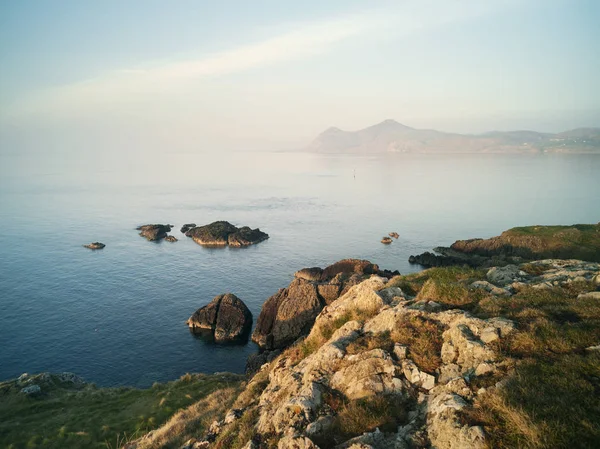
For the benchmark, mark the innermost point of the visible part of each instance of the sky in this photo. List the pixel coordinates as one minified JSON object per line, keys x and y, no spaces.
{"x":198,"y":75}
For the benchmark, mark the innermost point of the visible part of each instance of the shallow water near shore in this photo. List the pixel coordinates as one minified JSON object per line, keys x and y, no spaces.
{"x":116,"y":316}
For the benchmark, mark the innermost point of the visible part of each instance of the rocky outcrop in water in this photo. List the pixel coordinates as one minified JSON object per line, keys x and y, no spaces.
{"x":222,"y":233}
{"x":226,"y":319}
{"x":186,"y":227}
{"x":94,"y":245}
{"x":153,"y":232}
{"x":518,"y":245}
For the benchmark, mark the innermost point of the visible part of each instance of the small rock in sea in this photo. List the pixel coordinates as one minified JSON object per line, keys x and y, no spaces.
{"x":386,"y":240}
{"x":32,"y":390}
{"x":95,"y":245}
{"x":154,"y":232}
{"x":186,"y":227}
{"x":394,"y":234}
{"x":170,"y":238}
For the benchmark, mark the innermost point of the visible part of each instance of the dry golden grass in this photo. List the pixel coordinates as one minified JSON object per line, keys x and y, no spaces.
{"x":191,"y":422}
{"x":424,"y":340}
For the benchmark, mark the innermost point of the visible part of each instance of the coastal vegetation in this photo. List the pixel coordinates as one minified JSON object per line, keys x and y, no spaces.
{"x":67,"y":414}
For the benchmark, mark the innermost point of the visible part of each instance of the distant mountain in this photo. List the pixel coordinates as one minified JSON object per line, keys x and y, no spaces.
{"x":390,"y":136}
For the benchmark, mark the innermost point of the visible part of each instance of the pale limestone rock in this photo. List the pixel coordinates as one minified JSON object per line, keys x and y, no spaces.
{"x":370,"y":440}
{"x":388,"y":294}
{"x":296,"y":442}
{"x":489,"y":334}
{"x":369,"y":373}
{"x":490,"y":288}
{"x":448,"y":372}
{"x":416,"y":376}
{"x":484,"y":368}
{"x":589,"y":295}
{"x":503,"y":325}
{"x":400,"y":351}
{"x":320,"y":426}
{"x":503,"y":275}
{"x":444,"y":426}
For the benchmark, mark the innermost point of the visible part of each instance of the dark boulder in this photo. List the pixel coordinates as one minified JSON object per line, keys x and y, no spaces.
{"x":154,"y":232}
{"x":226,"y":318}
{"x":287,"y":314}
{"x":309,"y":274}
{"x":95,"y":245}
{"x":245,"y":236}
{"x":186,"y":227}
{"x":349,"y":266}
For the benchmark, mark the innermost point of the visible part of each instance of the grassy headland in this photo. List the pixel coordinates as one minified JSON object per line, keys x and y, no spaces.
{"x":73,"y":415}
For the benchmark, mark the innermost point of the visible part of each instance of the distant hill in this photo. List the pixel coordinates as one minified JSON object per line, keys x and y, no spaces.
{"x":390,"y":136}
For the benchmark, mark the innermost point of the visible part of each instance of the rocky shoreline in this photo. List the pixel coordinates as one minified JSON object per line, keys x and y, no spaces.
{"x":356,"y":357}
{"x":518,"y":245}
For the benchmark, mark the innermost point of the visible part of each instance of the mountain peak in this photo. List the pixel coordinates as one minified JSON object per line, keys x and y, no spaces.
{"x":390,"y":124}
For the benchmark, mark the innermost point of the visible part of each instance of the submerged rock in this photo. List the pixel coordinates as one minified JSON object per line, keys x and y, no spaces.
{"x":222,"y":233}
{"x":226,"y":318}
{"x":154,"y":232}
{"x":170,"y":238}
{"x":95,"y":245}
{"x":386,"y":240}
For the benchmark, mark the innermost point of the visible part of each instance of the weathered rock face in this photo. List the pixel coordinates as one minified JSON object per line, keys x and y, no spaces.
{"x":287,"y":314}
{"x":362,"y":361}
{"x":154,"y":232}
{"x":95,"y":245}
{"x":293,"y":404}
{"x":291,"y":312}
{"x":226,"y":318}
{"x":222,"y":233}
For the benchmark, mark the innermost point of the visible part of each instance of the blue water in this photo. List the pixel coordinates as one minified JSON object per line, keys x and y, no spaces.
{"x":116,"y":316}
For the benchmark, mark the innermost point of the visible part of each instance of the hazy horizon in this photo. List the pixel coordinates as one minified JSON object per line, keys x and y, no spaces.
{"x":197,"y":75}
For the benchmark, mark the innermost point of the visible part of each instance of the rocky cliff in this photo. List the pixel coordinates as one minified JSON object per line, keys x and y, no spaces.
{"x":439,"y":359}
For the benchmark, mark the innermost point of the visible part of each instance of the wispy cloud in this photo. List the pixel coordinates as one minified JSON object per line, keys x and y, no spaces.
{"x":298,"y":41}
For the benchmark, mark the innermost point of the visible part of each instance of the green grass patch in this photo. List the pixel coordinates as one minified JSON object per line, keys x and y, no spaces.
{"x":64,"y":417}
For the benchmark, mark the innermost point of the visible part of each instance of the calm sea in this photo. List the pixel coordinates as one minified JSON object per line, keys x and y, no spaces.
{"x":116,"y":316}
